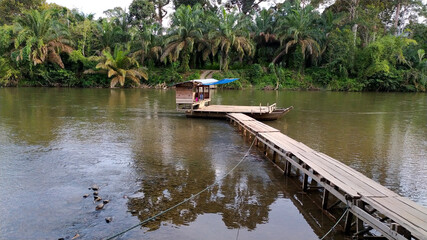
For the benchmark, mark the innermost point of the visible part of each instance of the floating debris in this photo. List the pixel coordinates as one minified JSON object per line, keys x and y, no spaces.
{"x":86,"y":195}
{"x":99,"y":206}
{"x":108,"y":219}
{"x":106,"y":201}
{"x":95,"y":187}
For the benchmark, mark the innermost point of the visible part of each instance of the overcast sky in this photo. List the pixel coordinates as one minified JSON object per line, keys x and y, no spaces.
{"x":92,"y":6}
{"x":99,"y":6}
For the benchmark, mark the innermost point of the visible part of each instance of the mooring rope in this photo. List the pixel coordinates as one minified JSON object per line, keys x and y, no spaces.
{"x":339,"y":220}
{"x":185,"y":200}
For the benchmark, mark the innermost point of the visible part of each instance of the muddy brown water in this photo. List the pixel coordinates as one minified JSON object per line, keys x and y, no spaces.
{"x":146,"y":157}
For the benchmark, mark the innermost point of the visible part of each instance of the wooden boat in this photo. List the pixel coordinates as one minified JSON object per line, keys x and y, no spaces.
{"x":274,"y":115}
{"x":193,"y":97}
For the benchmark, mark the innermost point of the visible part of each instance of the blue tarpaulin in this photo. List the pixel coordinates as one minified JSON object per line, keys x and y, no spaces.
{"x":223,"y":81}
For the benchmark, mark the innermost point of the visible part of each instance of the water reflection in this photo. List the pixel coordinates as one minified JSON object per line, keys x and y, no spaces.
{"x":54,"y":143}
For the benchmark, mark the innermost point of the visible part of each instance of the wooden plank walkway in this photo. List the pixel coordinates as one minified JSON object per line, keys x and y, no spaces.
{"x":371,"y":204}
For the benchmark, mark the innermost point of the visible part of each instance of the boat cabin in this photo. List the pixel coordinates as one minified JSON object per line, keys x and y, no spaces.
{"x":196,"y":94}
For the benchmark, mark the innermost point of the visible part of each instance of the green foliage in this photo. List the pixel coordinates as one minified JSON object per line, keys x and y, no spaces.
{"x":379,"y":63}
{"x":8,"y":74}
{"x":349,"y":47}
{"x":141,"y":13}
{"x":194,"y":75}
{"x":340,"y":53}
{"x":346,"y":84}
{"x":9,"y":9}
{"x":58,"y":77}
{"x":77,"y":56}
{"x":321,"y":76}
{"x":119,"y":66}
{"x":6,"y":39}
{"x":185,"y":31}
{"x":169,"y":75}
{"x":254,"y":73}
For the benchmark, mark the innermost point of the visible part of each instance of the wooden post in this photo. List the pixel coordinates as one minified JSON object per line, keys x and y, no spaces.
{"x":401,"y":230}
{"x":265,"y":149}
{"x":325,"y":199}
{"x":274,"y":156}
{"x":348,"y":222}
{"x":288,"y":168}
{"x":305,"y":182}
{"x":359,"y":222}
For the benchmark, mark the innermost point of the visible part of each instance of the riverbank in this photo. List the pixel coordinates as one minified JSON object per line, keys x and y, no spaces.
{"x":254,"y":76}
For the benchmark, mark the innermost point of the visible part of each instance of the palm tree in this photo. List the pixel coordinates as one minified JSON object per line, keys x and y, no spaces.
{"x":264,"y":27}
{"x":119,"y":67}
{"x":41,"y":38}
{"x":296,"y":28}
{"x":146,"y":42}
{"x":230,"y":33}
{"x":108,"y":34}
{"x":184,"y":33}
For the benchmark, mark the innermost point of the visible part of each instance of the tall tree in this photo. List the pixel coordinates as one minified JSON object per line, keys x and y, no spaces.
{"x":296,"y":29}
{"x":178,"y":3}
{"x":141,"y":12}
{"x":231,"y":33}
{"x":185,"y":31}
{"x":40,"y":38}
{"x":119,"y":67}
{"x":403,"y":8}
{"x":161,"y":12}
{"x":244,"y":6}
{"x":10,"y":9}
{"x":146,"y":43}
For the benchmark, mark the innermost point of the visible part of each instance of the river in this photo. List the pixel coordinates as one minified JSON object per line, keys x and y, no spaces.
{"x":146,"y":157}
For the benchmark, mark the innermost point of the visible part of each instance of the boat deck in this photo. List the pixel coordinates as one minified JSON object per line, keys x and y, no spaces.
{"x":371,"y":203}
{"x":235,"y":109}
{"x":220,"y":111}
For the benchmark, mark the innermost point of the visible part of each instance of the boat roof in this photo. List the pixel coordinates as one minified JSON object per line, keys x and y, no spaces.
{"x":210,"y":81}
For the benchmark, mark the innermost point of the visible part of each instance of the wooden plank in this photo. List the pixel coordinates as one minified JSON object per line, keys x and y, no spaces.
{"x":403,"y":210}
{"x":334,"y":166}
{"x":240,"y":117}
{"x":359,"y":176}
{"x":259,"y":127}
{"x":414,"y":205}
{"x":393,"y":210}
{"x":325,"y":173}
{"x":307,"y":154}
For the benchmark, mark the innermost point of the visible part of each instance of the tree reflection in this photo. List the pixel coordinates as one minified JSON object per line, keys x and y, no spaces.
{"x":174,"y":160}
{"x":31,"y":115}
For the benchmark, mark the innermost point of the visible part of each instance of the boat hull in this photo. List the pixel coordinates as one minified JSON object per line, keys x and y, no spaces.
{"x":274,"y":115}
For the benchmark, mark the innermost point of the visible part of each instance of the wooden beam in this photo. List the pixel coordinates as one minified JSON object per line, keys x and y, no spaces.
{"x":325,"y":199}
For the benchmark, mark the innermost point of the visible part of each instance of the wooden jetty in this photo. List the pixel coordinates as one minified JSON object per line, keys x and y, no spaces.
{"x":194,"y":98}
{"x":263,"y":113}
{"x":369,"y":204}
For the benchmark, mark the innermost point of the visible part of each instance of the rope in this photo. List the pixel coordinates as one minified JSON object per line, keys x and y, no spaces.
{"x":185,"y":200}
{"x":330,"y":230}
